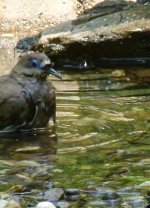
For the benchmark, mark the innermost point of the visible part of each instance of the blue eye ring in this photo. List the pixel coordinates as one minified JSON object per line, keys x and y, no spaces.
{"x":35,"y":64}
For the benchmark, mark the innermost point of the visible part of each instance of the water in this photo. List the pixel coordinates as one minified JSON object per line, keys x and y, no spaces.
{"x":103,"y":132}
{"x":101,"y":141}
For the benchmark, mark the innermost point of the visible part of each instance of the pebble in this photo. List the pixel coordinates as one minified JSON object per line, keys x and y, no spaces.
{"x":9,"y":204}
{"x":148,"y":196}
{"x":45,"y":205}
{"x":63,"y":204}
{"x":72,"y":194}
{"x":3,"y":203}
{"x":54,"y":194}
{"x":98,"y":203}
{"x":110,"y":195}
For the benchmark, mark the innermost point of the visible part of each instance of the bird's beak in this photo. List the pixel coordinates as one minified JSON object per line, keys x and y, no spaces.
{"x":54,"y":72}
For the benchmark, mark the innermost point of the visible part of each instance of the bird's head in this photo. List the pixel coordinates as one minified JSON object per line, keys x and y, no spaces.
{"x":36,"y":65}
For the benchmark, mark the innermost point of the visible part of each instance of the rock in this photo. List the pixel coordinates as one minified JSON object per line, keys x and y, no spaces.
{"x":54,"y":194}
{"x":28,"y":163}
{"x":118,"y":73}
{"x":136,"y":201}
{"x":12,"y":204}
{"x":28,"y":149}
{"x":110,"y":195}
{"x":114,"y":33}
{"x":98,"y":204}
{"x":142,"y":1}
{"x":125,"y":205}
{"x":42,"y":172}
{"x":145,"y":184}
{"x":3,"y":203}
{"x":63,"y":204}
{"x":148,"y":197}
{"x":45,"y":205}
{"x":104,"y":8}
{"x":72,"y":194}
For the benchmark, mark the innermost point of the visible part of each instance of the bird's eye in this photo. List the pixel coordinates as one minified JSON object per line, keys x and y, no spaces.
{"x":35,"y":63}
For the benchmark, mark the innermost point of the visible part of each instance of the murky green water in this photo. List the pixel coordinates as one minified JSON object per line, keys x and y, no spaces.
{"x":102,"y":140}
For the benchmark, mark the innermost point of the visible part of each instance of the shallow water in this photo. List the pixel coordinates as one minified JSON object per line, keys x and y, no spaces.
{"x":101,"y":141}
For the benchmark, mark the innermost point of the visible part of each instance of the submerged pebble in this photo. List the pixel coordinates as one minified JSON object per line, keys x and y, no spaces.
{"x":54,"y":194}
{"x":136,"y":201}
{"x":110,"y":195}
{"x":9,"y":204}
{"x":98,"y":203}
{"x":63,"y":204}
{"x":45,"y":205}
{"x":72,"y":194}
{"x":3,"y":203}
{"x":72,"y":191}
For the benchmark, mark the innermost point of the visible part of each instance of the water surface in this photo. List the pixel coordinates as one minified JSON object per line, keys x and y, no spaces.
{"x":101,"y":141}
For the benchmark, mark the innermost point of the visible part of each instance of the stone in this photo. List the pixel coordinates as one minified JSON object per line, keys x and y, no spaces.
{"x":72,"y":194}
{"x":63,"y":204}
{"x":98,"y":203}
{"x":54,"y":194}
{"x":12,"y":204}
{"x":136,"y":201}
{"x":45,"y":204}
{"x":114,"y":34}
{"x":145,"y":184}
{"x":110,"y":195}
{"x":3,"y":203}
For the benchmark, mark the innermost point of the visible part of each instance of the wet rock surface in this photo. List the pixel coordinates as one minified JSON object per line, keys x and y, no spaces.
{"x":109,"y":30}
{"x":105,"y":34}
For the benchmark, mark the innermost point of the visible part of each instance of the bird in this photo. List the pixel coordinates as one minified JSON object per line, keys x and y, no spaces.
{"x":27,"y":97}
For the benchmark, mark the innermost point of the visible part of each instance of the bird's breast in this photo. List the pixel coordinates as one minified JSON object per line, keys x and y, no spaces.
{"x":40,"y":97}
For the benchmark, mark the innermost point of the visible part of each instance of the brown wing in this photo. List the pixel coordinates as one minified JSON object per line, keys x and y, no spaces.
{"x":14,"y":110}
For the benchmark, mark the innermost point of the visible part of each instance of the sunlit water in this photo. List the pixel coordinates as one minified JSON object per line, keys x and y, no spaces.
{"x":102,"y":140}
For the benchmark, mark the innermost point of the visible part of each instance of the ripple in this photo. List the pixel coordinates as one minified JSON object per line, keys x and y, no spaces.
{"x":80,"y":149}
